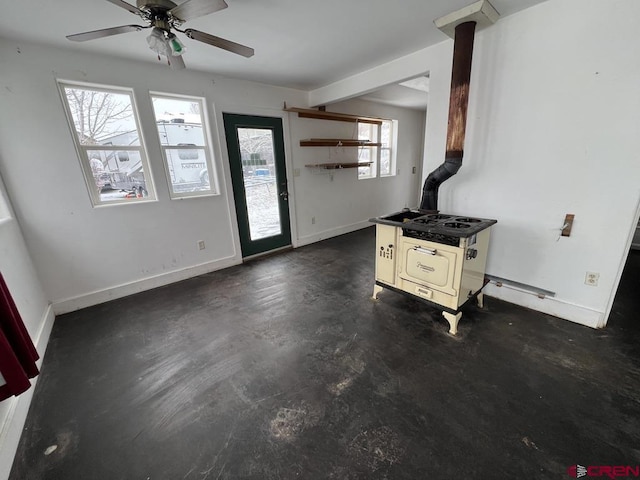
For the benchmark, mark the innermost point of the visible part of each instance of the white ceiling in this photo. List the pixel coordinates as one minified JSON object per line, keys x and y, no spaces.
{"x":399,"y":96}
{"x":298,"y":43}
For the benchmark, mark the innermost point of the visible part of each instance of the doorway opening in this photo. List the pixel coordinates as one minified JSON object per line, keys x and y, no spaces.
{"x":259,"y":179}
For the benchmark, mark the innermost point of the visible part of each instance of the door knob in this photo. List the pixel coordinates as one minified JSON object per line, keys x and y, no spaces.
{"x":284,"y":195}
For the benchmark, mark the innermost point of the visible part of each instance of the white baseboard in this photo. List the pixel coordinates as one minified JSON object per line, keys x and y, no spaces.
{"x":11,"y":426}
{"x":549,"y":305}
{"x":100,"y":296}
{"x":332,"y":232}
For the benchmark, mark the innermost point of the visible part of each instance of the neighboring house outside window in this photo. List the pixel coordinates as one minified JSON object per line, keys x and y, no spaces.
{"x":106,"y":131}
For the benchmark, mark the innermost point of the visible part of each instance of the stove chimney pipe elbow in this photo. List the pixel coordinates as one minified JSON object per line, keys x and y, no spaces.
{"x":431,"y":185}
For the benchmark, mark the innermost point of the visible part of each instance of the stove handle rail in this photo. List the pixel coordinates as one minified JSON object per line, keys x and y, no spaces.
{"x":427,"y":251}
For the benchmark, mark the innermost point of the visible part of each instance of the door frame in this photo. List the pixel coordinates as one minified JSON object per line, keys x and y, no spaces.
{"x":220,"y":109}
{"x":233,"y":123}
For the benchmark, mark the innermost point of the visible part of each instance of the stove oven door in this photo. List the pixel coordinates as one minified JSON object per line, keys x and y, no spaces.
{"x":433,"y":265}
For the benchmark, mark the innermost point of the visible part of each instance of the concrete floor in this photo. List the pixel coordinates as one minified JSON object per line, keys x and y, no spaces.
{"x":283,"y":368}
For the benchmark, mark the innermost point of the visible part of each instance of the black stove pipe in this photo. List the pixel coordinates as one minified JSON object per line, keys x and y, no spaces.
{"x":458,"y":103}
{"x":431,"y":185}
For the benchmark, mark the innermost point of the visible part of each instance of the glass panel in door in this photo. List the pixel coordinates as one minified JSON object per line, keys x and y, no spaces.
{"x":258,"y":174}
{"x":259,"y":179}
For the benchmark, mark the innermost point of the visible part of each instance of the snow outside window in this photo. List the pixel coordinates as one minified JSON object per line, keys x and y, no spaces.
{"x":106,"y":131}
{"x":383,"y":157}
{"x":183,"y":134}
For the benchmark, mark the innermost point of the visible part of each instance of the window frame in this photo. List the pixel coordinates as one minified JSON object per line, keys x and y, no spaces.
{"x":207,"y":148}
{"x":376,"y":152}
{"x":392,"y":148}
{"x":5,"y":208}
{"x":83,"y":150}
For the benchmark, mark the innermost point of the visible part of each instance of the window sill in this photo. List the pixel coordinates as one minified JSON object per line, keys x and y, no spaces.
{"x":118,"y":204}
{"x":187,"y":197}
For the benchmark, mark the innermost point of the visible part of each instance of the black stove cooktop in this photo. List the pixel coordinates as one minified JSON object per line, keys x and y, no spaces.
{"x":435,"y":223}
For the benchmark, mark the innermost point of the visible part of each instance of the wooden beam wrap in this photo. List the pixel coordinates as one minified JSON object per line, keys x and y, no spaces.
{"x":459,"y":96}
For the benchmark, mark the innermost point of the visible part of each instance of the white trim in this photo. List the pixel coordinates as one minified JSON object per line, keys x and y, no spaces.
{"x":83,"y":150}
{"x":214,"y":188}
{"x":236,"y":109}
{"x":623,"y":261}
{"x":393,"y":149}
{"x":11,"y":427}
{"x":333,"y":232}
{"x":551,"y":306}
{"x":100,"y":296}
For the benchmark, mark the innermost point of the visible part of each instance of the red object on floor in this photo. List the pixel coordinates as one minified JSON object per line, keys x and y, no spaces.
{"x":18,"y":356}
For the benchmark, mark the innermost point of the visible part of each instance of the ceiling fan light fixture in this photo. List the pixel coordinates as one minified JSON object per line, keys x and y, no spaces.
{"x":175,"y":45}
{"x":157,"y":41}
{"x":163,"y":16}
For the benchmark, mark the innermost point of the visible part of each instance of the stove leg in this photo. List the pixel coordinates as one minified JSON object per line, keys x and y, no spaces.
{"x":480,"y":300}
{"x":453,"y":320}
{"x":376,"y":290}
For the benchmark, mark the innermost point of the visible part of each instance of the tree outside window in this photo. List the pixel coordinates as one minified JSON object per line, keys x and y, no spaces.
{"x":107,"y":137}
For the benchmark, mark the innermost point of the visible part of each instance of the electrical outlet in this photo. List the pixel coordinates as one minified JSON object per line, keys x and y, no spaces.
{"x":591,"y":279}
{"x":201,"y":245}
{"x":313,"y":220}
{"x":296,"y":172}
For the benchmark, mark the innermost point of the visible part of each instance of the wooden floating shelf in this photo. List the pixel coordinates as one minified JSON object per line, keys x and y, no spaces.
{"x":340,"y":117}
{"x":337,"y":142}
{"x":338,"y":166}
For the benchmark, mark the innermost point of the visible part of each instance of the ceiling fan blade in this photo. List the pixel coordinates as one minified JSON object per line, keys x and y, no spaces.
{"x":219,"y":42}
{"x":127,"y":6}
{"x":196,"y":8}
{"x":177,"y":63}
{"x":105,"y":32}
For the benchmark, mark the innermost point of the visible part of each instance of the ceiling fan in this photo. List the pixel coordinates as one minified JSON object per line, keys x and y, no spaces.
{"x":162,"y":17}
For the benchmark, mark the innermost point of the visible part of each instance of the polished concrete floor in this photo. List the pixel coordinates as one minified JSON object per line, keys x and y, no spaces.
{"x":284,"y":368}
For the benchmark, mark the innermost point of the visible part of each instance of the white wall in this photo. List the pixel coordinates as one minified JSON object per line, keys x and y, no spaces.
{"x":553,"y":128}
{"x":337,"y":199}
{"x":77,"y":249}
{"x":19,"y":273}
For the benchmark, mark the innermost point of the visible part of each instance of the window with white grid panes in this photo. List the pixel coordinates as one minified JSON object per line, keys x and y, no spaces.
{"x":382,"y":158}
{"x":183,"y":132}
{"x":387,"y":166}
{"x":106,"y":131}
{"x":367,"y":132}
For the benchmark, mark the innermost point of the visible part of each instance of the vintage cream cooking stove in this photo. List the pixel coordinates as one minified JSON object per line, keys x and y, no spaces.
{"x":438,"y":258}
